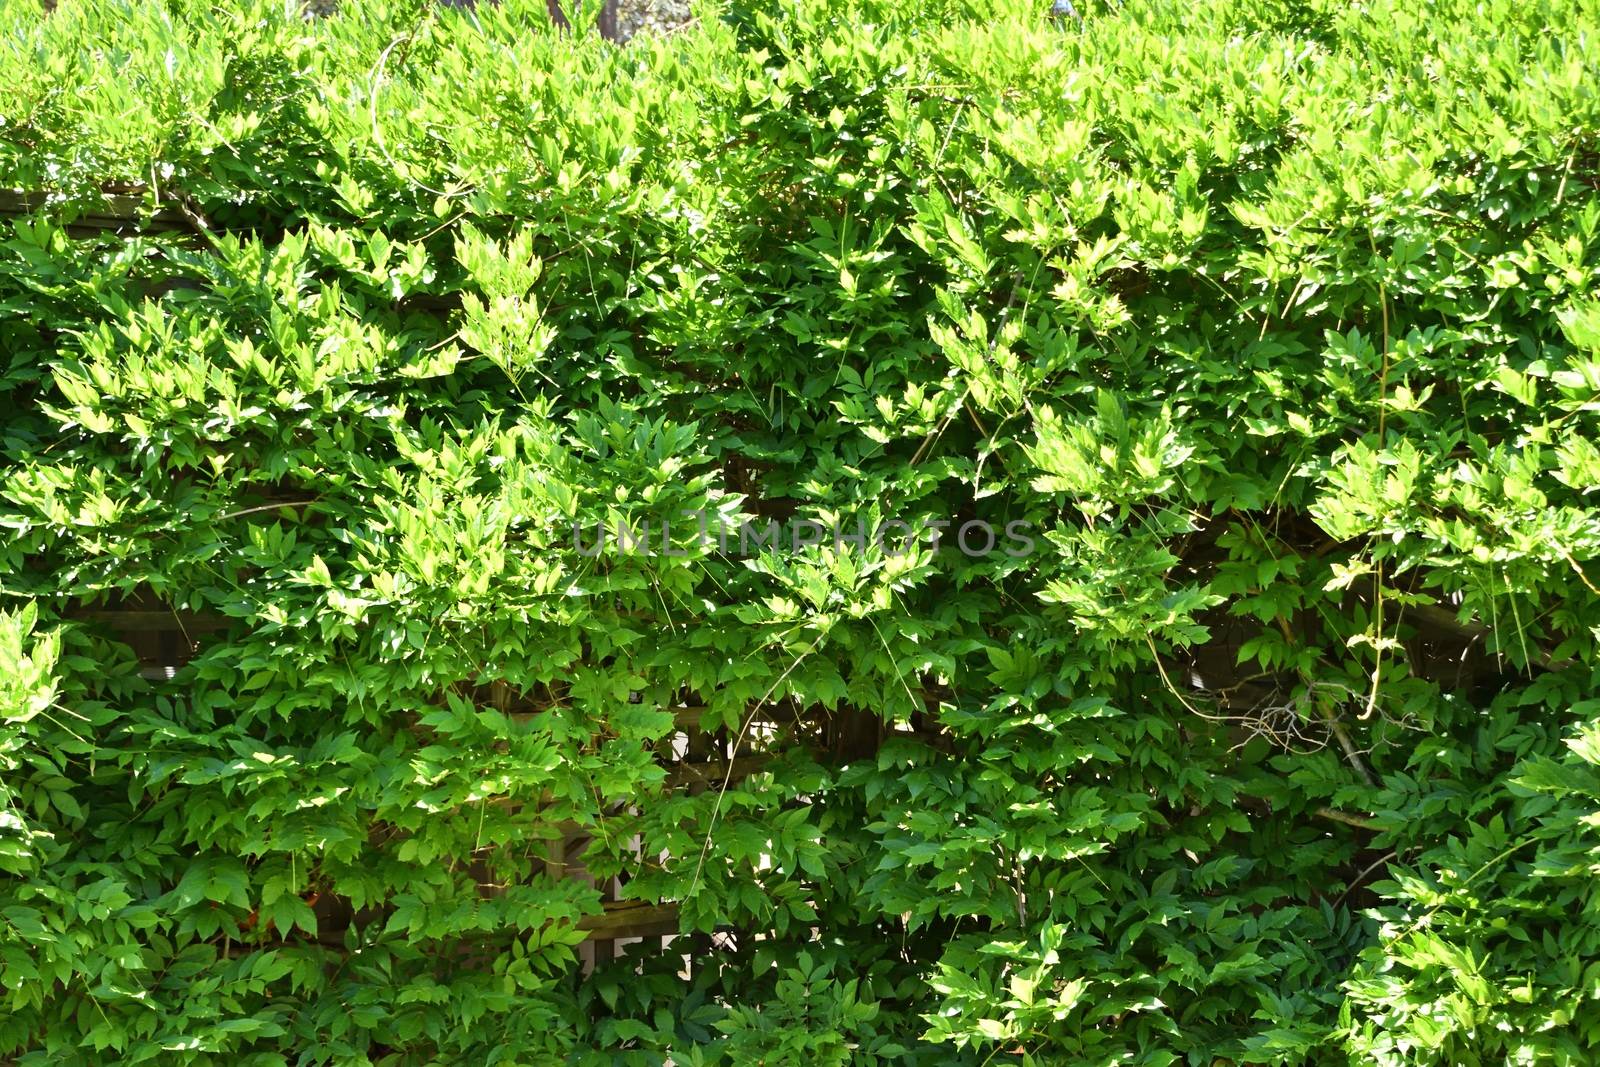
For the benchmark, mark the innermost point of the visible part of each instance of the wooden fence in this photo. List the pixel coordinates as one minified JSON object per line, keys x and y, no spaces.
{"x":695,"y":760}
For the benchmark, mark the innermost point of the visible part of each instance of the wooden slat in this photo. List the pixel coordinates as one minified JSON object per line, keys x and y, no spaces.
{"x":112,"y":212}
{"x":687,"y":718}
{"x":139,"y":620}
{"x":630,"y":918}
{"x":711,"y":774}
{"x":716,"y":772}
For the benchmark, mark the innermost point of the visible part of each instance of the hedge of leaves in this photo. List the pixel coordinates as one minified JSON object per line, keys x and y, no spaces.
{"x":1275,"y":322}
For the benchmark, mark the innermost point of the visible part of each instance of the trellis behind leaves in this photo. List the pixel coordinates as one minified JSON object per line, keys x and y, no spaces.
{"x":164,"y":640}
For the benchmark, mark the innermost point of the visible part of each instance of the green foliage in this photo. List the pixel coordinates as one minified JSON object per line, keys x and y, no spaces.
{"x":1273,"y":325}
